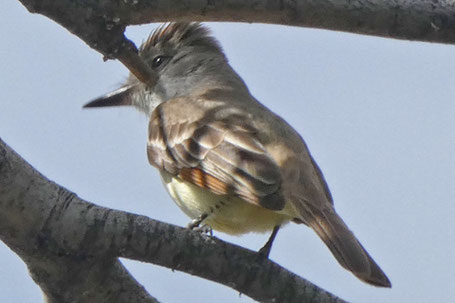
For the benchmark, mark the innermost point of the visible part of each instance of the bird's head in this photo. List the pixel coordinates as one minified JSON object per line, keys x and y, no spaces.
{"x":186,"y":59}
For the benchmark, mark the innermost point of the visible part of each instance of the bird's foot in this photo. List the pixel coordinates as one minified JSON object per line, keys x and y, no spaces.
{"x":204,"y":229}
{"x":196,"y":225}
{"x":264,"y":252}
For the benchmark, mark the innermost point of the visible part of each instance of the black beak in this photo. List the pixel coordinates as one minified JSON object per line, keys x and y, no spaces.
{"x":121,"y":96}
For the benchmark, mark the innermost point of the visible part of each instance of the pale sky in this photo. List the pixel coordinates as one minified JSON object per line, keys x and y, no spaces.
{"x":377,"y":115}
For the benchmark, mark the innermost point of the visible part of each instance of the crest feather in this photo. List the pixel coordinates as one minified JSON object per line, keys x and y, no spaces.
{"x":181,"y":34}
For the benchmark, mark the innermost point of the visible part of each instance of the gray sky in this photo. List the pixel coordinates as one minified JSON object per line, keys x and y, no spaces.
{"x":377,"y":114}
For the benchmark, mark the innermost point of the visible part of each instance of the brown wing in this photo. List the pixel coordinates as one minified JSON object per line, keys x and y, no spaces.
{"x":216,"y":149}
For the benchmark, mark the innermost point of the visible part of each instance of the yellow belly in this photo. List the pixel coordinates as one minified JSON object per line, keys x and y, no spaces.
{"x":227,"y":214}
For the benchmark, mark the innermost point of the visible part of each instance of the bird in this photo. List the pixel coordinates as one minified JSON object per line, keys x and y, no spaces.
{"x":228,"y":162}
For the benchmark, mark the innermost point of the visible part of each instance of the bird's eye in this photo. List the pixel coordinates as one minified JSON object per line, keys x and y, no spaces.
{"x":158,"y":60}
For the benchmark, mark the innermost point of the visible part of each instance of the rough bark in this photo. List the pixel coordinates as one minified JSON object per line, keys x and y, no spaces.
{"x":71,"y":246}
{"x":32,"y":211}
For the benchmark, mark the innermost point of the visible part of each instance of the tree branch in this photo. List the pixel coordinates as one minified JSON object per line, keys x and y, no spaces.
{"x":423,"y":20}
{"x":29,"y":206}
{"x":71,"y":246}
{"x":101,"y":24}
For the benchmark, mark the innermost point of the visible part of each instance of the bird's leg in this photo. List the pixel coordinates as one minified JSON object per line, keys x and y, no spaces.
{"x":265,"y":250}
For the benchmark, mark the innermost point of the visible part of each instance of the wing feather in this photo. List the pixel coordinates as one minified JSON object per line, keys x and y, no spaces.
{"x":224,"y":155}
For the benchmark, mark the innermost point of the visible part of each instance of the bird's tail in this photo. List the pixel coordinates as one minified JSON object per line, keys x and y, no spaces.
{"x":345,"y":246}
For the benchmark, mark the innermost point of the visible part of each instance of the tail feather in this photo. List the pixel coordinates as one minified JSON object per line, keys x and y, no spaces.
{"x":345,"y":246}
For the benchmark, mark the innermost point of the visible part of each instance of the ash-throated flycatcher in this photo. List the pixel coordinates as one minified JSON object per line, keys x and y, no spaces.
{"x":228,"y":161}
